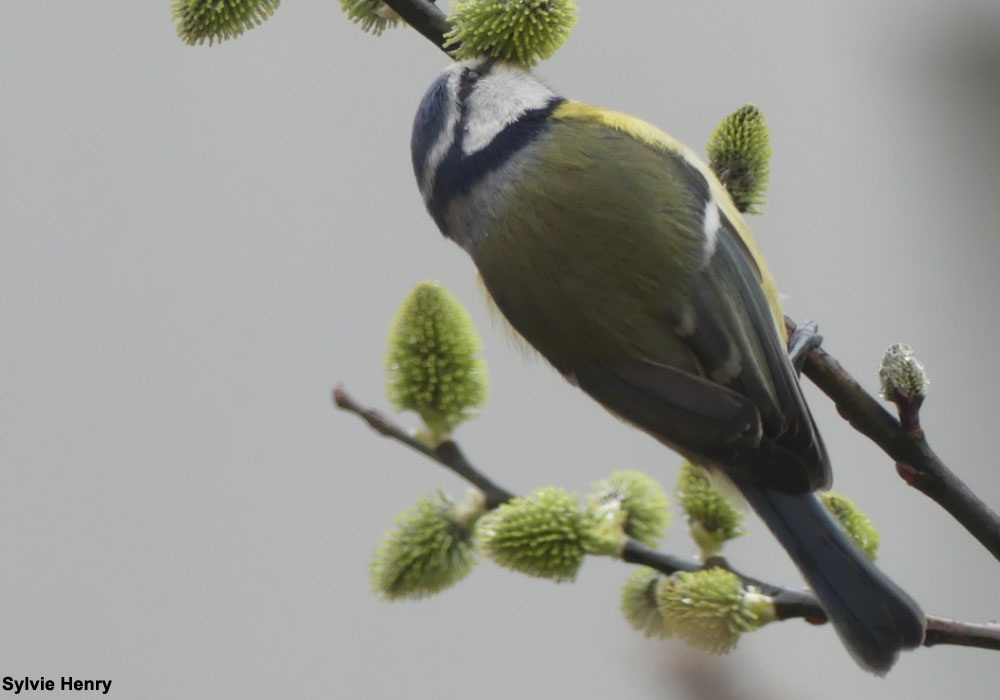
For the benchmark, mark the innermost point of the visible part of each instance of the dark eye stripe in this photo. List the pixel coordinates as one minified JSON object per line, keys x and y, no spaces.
{"x":471,"y":75}
{"x":458,"y":173}
{"x":465,"y":85}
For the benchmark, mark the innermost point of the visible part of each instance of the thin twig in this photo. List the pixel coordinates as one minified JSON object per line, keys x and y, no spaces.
{"x":424,"y":17}
{"x":915,"y":461}
{"x":447,"y":453}
{"x":789,"y":602}
{"x":942,"y":630}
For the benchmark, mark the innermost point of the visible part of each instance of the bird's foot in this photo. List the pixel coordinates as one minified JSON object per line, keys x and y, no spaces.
{"x":804,"y":339}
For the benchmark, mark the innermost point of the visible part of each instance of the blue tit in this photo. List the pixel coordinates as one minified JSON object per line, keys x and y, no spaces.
{"x":619,"y":256}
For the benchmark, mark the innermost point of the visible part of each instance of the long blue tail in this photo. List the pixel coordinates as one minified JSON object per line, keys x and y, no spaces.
{"x":874,"y":617}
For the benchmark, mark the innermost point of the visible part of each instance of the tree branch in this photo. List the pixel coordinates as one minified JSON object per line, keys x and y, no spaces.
{"x":942,"y":630}
{"x":789,"y":602}
{"x":423,"y":16}
{"x":915,"y":461}
{"x":446,"y":454}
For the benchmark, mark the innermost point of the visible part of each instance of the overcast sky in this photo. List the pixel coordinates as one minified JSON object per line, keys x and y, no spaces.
{"x":197,"y":243}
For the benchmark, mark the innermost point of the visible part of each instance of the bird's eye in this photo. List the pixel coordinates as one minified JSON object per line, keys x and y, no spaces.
{"x":467,"y":82}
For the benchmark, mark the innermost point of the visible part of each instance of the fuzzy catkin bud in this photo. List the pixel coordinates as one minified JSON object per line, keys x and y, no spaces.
{"x":520,"y":31}
{"x":710,"y":609}
{"x":855,"y":523}
{"x":646,"y":511}
{"x":431,"y":548}
{"x":541,"y":534}
{"x":901,"y":375}
{"x":199,"y":21}
{"x":739,"y":151}
{"x":712,"y":518}
{"x":639,"y":604}
{"x":373,"y":16}
{"x":432,"y":365}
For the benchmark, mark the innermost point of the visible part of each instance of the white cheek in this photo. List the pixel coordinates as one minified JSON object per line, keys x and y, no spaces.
{"x":478,"y":136}
{"x":496,"y":103}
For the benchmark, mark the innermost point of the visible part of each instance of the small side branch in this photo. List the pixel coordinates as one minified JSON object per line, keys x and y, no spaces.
{"x":447,"y":454}
{"x":942,"y":630}
{"x":423,"y":16}
{"x":789,"y":602}
{"x":915,"y":460}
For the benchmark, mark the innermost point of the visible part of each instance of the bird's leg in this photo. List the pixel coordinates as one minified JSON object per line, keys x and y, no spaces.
{"x":803,"y":339}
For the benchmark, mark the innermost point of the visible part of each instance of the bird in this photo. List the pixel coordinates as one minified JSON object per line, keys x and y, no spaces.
{"x":619,"y":256}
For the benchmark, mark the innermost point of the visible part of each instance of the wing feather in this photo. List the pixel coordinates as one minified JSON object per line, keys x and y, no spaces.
{"x":686,"y":345}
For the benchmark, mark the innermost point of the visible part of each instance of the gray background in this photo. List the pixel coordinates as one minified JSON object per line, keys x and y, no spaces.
{"x":197,"y":243}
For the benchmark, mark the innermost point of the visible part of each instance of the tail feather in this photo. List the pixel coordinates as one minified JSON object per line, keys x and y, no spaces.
{"x":874,"y":617}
